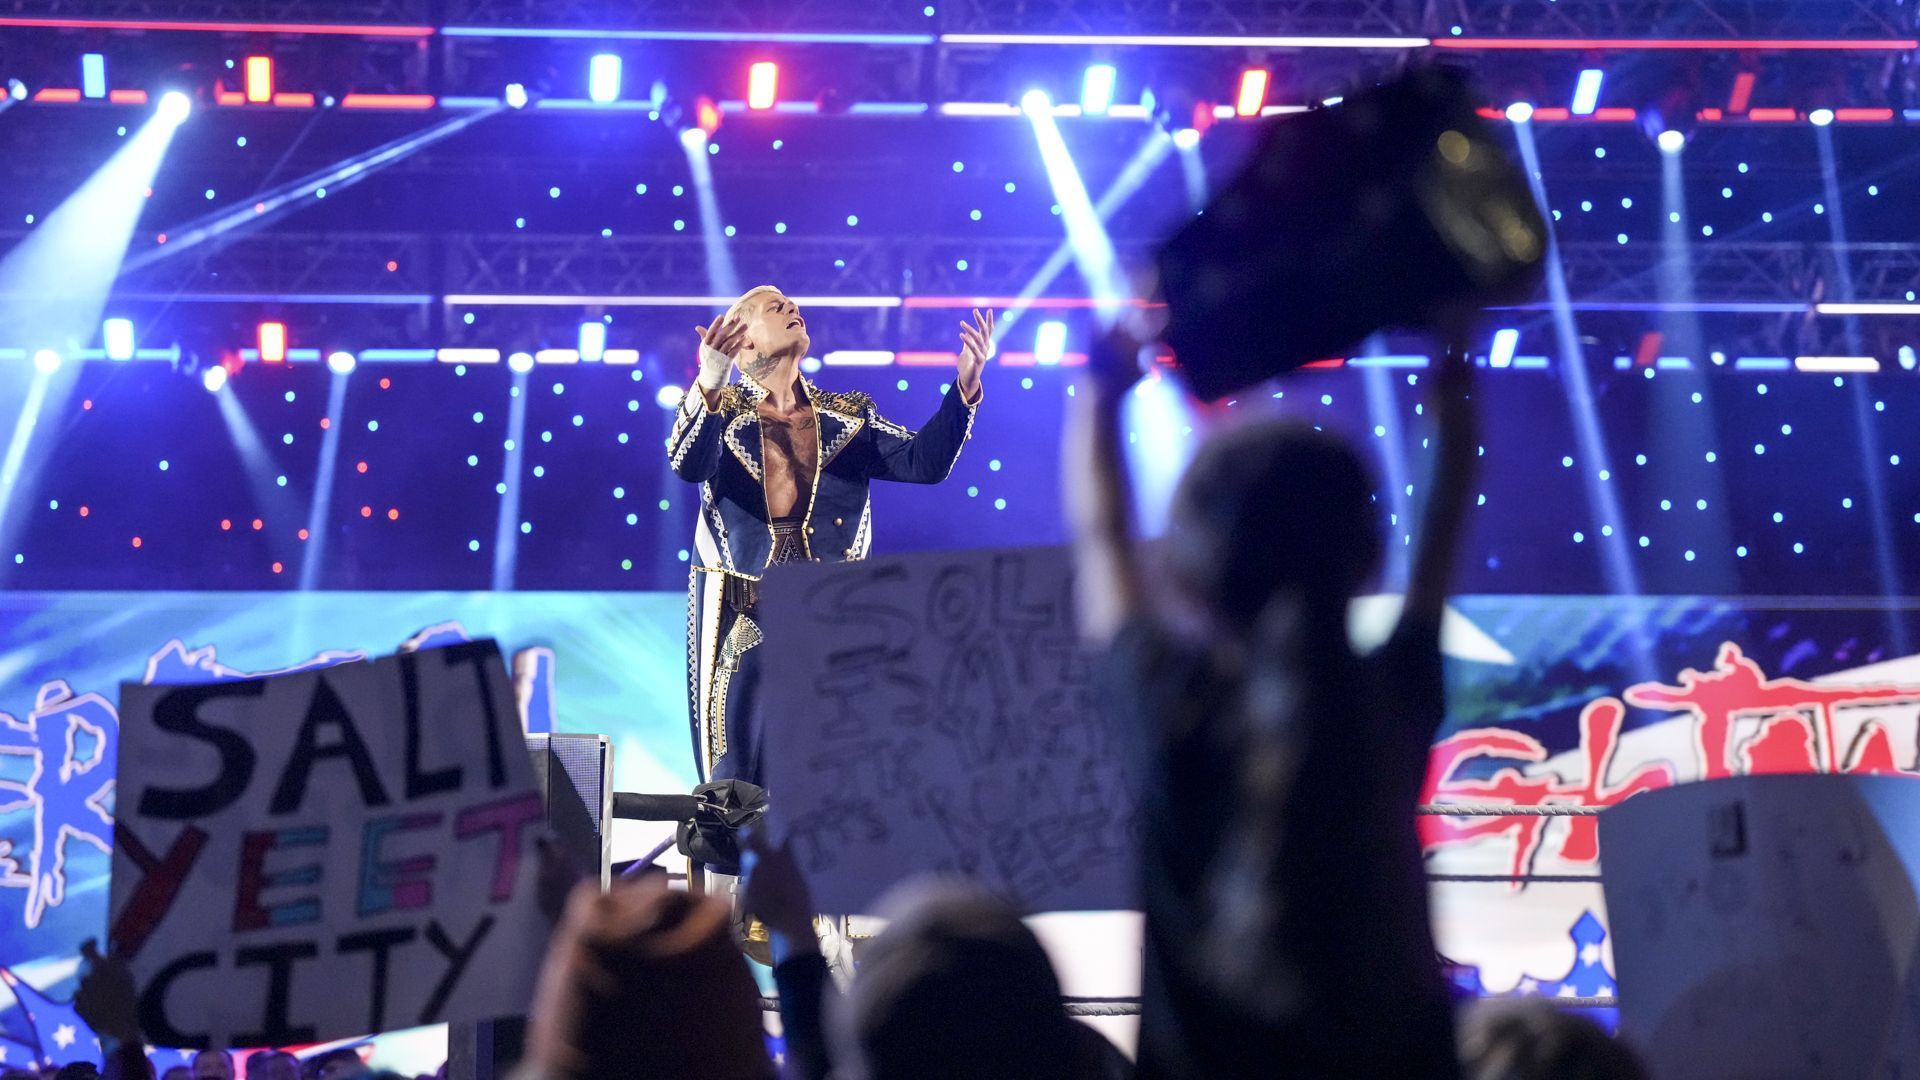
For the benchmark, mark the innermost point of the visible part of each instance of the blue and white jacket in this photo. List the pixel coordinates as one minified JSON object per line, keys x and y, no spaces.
{"x":720,"y":449}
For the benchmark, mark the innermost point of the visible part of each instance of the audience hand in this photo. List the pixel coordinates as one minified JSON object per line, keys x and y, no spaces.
{"x":774,"y":890}
{"x":1114,"y":359}
{"x":107,"y":1000}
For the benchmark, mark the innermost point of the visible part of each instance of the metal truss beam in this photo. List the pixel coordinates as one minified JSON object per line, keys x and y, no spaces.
{"x":1776,"y":19}
{"x":1743,"y":272}
{"x":401,"y":265}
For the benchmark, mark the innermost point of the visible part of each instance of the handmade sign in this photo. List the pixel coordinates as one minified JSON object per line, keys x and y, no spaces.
{"x":935,"y":714}
{"x":328,"y":853}
{"x":1768,"y":925}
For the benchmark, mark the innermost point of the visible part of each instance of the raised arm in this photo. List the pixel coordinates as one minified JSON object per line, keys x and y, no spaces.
{"x":1098,"y":496}
{"x":774,"y":890}
{"x":1457,"y":418}
{"x":928,"y":455}
{"x":693,"y":445}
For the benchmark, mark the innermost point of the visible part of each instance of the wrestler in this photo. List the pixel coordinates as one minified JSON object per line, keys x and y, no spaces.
{"x":783,"y":468}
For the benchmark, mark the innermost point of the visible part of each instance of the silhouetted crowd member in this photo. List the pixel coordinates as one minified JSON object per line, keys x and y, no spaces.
{"x":273,"y":1065}
{"x":1287,"y":929}
{"x":643,"y":982}
{"x":213,"y":1065}
{"x":1532,"y":1040}
{"x":344,"y":1063}
{"x":955,"y":988}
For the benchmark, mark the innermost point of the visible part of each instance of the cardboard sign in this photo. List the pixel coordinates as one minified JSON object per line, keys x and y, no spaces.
{"x":328,"y":853}
{"x":1767,"y":926}
{"x":935,"y":714}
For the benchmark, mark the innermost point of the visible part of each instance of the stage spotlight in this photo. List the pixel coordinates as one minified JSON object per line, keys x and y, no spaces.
{"x":259,"y":79}
{"x":341,"y":361}
{"x":693,"y":139}
{"x":1504,"y":342}
{"x":1049,"y":342}
{"x":603,"y":78}
{"x":272,"y":338}
{"x":516,"y":96}
{"x":521,"y":362}
{"x":93,"y":75}
{"x":669,"y":397}
{"x":214,"y":378}
{"x":1820,"y":117}
{"x":1520,"y":112}
{"x":762,"y":79}
{"x":593,"y":341}
{"x":175,"y":107}
{"x":1253,"y":92}
{"x":1096,"y":89}
{"x":16,"y":90}
{"x":1671,"y":141}
{"x":1035,"y":103}
{"x":706,"y":114}
{"x":1741,"y":95}
{"x":47,"y":360}
{"x":1908,"y":358}
{"x":1586,"y":92}
{"x":117,"y":336}
{"x":1186,"y":138}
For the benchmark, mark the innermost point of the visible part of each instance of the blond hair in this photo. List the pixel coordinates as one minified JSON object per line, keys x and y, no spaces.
{"x":739,"y":308}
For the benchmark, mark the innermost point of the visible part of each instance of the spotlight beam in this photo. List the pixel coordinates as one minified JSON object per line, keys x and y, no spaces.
{"x":314,"y":557}
{"x":265,"y":206}
{"x":722,"y":278}
{"x":1622,"y":580}
{"x":1133,"y":176}
{"x":55,"y":283}
{"x":1194,"y":171}
{"x":1680,"y":324}
{"x":1863,"y":414}
{"x":1086,"y":234}
{"x":273,"y":502}
{"x":18,"y":442}
{"x":506,"y":527}
{"x":1393,"y":460}
{"x":1685,"y":421}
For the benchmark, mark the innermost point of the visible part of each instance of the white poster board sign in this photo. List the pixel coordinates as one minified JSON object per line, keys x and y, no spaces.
{"x":934,"y":713}
{"x":327,"y":854}
{"x":1766,"y":926}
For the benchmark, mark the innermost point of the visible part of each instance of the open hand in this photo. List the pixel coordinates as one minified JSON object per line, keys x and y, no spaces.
{"x":976,"y":348}
{"x":723,"y":336}
{"x":720,"y":344}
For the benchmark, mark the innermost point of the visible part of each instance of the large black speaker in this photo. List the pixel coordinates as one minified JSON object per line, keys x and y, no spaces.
{"x":575,"y":776}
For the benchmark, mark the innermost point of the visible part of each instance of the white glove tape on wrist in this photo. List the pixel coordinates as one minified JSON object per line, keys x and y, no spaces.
{"x":714,"y":366}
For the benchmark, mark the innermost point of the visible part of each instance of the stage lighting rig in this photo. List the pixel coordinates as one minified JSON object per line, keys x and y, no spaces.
{"x":175,"y":107}
{"x":1175,"y":99}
